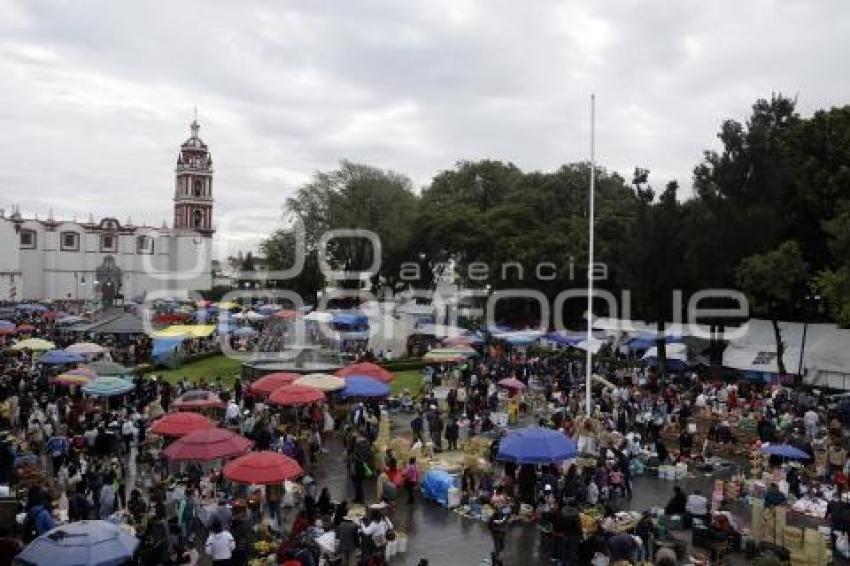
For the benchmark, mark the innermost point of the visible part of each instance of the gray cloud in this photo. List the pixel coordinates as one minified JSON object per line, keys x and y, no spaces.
{"x":96,"y":95}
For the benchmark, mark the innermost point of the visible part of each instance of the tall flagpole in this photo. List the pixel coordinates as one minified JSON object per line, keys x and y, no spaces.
{"x":589,"y":361}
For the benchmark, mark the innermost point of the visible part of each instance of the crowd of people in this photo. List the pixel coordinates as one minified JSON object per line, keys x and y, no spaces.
{"x":74,"y":458}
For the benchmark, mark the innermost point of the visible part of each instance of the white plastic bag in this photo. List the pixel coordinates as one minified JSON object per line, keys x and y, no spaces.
{"x":391,"y":549}
{"x":842,"y":544}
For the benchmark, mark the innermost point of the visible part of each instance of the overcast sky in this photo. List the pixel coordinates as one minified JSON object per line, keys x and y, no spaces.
{"x":96,"y":96}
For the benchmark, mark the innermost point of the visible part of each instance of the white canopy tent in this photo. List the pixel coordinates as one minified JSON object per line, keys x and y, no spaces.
{"x":826,"y":356}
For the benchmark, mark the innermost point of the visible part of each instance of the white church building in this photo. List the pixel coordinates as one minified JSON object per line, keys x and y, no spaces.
{"x":77,"y":261}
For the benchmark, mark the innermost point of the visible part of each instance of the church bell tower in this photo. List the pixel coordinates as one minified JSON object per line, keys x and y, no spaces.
{"x":193,"y":177}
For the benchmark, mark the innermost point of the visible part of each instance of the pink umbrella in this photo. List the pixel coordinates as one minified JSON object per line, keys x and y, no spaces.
{"x":512,"y":384}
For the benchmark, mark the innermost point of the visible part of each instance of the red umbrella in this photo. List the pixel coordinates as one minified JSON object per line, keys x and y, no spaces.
{"x":369,"y":370}
{"x":26,"y":328}
{"x":295,"y":395}
{"x":268,"y":383}
{"x":512,"y":384}
{"x":52,"y":315}
{"x":198,"y":399}
{"x":262,"y":468}
{"x":179,"y":424}
{"x":5,"y":331}
{"x":208,"y":444}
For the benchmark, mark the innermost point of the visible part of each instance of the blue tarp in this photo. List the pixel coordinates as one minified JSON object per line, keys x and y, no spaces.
{"x":165,"y":347}
{"x":363,"y":386}
{"x":646,"y":341}
{"x":60,"y":357}
{"x":498,"y":329}
{"x":435,"y":486}
{"x":568,"y":338}
{"x":350,"y":320}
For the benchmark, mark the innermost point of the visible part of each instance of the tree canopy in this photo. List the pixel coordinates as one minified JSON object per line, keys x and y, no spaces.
{"x":768,"y":213}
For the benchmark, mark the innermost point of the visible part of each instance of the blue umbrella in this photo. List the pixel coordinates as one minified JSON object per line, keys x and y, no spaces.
{"x":5,"y":324}
{"x":84,"y":543}
{"x":108,"y":386}
{"x":785,"y":451}
{"x":362,"y":386}
{"x":267,"y":309}
{"x":60,"y":357}
{"x":536,"y":445}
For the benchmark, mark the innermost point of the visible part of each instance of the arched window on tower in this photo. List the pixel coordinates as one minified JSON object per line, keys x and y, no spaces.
{"x":198,"y":219}
{"x":199,"y":188}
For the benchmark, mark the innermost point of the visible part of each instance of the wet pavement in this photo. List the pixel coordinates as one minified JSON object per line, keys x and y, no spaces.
{"x":447,"y":539}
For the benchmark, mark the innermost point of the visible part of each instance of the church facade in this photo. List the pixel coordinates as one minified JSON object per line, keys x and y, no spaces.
{"x":103,"y":259}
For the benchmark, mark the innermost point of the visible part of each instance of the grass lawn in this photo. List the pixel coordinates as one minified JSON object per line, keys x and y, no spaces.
{"x":208,"y":368}
{"x":227,"y":369}
{"x":410,"y":379}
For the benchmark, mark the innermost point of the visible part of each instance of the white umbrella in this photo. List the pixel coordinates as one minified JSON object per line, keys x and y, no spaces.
{"x":319,"y":316}
{"x":255,"y":316}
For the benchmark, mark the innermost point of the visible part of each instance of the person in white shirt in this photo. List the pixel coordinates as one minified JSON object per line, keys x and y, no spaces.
{"x":232,"y":414}
{"x":377,"y":530}
{"x":810,"y":420}
{"x":220,"y":544}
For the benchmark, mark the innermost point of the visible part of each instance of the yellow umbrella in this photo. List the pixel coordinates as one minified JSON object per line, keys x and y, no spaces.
{"x":322,"y":382}
{"x":36,"y":344}
{"x":228,"y":306}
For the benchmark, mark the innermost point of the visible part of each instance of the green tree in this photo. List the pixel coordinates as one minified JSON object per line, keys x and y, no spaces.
{"x":656,"y":256}
{"x":834,"y":282}
{"x":773,"y":281}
